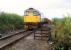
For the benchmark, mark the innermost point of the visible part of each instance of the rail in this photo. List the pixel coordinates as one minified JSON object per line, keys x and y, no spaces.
{"x":11,"y":34}
{"x":11,"y":39}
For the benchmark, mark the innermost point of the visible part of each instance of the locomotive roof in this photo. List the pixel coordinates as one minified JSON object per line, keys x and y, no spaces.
{"x":32,"y":9}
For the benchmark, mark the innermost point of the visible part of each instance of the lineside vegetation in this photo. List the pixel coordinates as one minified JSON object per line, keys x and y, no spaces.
{"x":62,"y":33}
{"x":9,"y":22}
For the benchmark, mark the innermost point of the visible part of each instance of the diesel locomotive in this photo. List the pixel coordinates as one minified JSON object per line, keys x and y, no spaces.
{"x":32,"y":18}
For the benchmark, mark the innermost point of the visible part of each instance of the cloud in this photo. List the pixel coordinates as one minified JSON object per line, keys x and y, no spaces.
{"x":50,"y":8}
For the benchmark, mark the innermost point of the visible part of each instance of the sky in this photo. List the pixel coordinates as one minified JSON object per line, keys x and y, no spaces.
{"x":47,"y":8}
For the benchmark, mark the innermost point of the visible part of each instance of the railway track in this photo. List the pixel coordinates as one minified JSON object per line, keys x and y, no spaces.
{"x":12,"y":38}
{"x":28,"y":43}
{"x":11,"y":34}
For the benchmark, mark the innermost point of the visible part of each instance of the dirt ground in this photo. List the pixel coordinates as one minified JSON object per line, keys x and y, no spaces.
{"x":28,"y":43}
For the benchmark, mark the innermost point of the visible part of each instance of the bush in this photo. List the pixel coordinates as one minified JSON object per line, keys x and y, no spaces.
{"x":10,"y":21}
{"x":62,"y":32}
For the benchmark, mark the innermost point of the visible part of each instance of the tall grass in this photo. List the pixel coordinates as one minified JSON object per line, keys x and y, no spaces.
{"x":9,"y":21}
{"x":62,"y":32}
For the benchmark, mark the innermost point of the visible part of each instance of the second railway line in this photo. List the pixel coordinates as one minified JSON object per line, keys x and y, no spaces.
{"x":12,"y":38}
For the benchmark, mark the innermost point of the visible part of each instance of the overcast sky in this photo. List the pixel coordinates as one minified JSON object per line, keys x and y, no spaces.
{"x":48,"y":8}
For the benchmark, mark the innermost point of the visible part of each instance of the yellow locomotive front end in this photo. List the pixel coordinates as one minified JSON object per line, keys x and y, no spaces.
{"x":31,"y":18}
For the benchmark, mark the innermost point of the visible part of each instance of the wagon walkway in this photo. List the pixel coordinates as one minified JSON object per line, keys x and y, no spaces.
{"x":28,"y":43}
